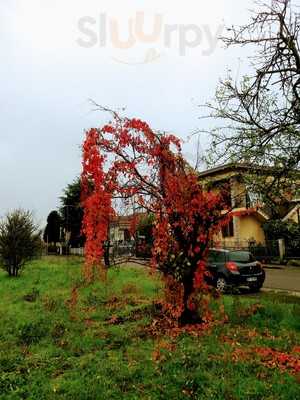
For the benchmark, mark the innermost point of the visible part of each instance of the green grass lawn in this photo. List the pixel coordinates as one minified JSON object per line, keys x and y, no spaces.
{"x":104,"y":348}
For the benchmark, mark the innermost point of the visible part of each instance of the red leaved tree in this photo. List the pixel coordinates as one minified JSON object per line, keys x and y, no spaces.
{"x":126,"y":159}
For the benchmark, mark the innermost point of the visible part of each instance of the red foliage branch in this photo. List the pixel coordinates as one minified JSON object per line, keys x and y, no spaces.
{"x":96,"y":202}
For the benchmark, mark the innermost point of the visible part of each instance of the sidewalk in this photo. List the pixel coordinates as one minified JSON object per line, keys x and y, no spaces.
{"x":283,"y":278}
{"x":274,"y":266}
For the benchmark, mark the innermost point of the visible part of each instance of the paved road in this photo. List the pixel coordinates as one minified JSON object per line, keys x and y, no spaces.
{"x":286,"y":278}
{"x":277,"y":278}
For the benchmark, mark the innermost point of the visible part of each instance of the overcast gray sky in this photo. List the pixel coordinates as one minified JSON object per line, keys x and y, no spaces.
{"x":57,"y":54}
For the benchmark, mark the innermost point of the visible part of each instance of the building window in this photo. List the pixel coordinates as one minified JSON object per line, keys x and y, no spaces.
{"x":228,"y":230}
{"x":226,"y":193}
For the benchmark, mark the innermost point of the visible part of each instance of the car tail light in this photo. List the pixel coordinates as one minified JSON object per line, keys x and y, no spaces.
{"x":231,"y":266}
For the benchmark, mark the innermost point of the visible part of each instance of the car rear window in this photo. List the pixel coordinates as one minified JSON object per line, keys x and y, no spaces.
{"x":240,"y":256}
{"x":216,"y":256}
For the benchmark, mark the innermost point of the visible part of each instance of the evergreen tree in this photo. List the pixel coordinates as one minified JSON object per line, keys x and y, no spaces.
{"x":71,"y":213}
{"x":52,"y":231}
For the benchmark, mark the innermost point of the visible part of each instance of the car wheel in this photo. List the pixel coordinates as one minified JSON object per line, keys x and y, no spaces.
{"x":221,"y":284}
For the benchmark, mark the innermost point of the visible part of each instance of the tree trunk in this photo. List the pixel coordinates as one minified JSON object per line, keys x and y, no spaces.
{"x":189,"y":316}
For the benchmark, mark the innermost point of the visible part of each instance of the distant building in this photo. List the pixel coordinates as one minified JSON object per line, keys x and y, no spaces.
{"x":247,"y":226}
{"x":120,"y":229}
{"x":121,"y":226}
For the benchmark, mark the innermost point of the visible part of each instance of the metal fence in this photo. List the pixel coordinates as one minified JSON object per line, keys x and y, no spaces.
{"x":262,"y":252}
{"x":292,"y":248}
{"x":265,"y":252}
{"x":76,"y":251}
{"x":121,"y":250}
{"x":118,"y":250}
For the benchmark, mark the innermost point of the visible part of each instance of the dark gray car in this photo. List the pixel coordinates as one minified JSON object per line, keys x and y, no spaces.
{"x":230,"y":268}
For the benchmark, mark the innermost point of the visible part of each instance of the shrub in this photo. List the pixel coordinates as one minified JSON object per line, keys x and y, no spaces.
{"x":278,"y":229}
{"x":20,"y":241}
{"x":32,"y":332}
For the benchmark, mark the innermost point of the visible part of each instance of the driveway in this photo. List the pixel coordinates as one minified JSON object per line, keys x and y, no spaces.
{"x":285,"y":278}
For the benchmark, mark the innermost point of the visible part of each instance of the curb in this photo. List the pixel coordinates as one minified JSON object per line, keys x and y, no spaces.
{"x":274,"y":266}
{"x":281,"y":291}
